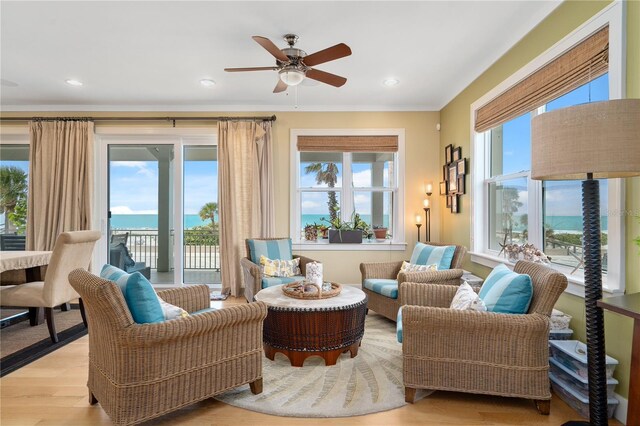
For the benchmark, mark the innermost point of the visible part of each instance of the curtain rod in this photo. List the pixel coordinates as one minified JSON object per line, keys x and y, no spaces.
{"x":173,"y":119}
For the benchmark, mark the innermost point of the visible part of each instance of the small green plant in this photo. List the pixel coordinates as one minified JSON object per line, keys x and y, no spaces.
{"x":356,"y":223}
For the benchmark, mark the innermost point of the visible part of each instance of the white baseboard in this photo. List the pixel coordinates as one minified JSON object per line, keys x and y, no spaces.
{"x":621,"y":411}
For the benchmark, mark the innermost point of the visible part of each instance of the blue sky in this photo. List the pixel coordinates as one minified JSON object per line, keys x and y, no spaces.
{"x":134,"y":186}
{"x":562,"y":198}
{"x":316,"y":203}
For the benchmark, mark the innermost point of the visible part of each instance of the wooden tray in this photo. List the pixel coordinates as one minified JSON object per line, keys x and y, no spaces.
{"x":296,"y":290}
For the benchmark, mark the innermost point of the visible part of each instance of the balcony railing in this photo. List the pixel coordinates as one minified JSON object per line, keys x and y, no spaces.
{"x":201,"y":249}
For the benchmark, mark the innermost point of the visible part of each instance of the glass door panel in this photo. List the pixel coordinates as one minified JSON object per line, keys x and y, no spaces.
{"x":140,"y":203}
{"x":200,"y":214}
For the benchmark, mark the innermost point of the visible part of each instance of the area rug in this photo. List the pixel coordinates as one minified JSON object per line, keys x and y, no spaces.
{"x":369,"y":383}
{"x":21,"y":344}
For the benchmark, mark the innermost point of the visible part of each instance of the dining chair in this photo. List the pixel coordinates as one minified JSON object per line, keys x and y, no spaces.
{"x":72,"y":250}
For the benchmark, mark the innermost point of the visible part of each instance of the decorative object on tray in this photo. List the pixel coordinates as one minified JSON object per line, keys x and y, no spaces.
{"x":453,"y":174}
{"x":314,"y":273}
{"x":309,"y":290}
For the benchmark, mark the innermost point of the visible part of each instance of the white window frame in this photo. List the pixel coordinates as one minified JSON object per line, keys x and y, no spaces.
{"x":614,"y":281}
{"x":346,"y":199}
{"x":179,"y":138}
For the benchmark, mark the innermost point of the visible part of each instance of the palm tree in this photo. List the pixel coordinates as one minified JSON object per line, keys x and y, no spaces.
{"x":327,"y":173}
{"x":13,"y":188}
{"x":208,"y":211}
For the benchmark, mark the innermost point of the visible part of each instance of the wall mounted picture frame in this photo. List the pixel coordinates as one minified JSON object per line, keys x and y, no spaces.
{"x":453,"y":178}
{"x":454,"y":204}
{"x":460,"y":184}
{"x":448,"y":154}
{"x":462,"y":166}
{"x":457,"y":154}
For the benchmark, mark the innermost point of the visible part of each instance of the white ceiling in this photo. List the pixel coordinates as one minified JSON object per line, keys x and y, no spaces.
{"x":137,"y":56}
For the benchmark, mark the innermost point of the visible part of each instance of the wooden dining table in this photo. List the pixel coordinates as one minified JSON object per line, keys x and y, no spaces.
{"x":33,"y":263}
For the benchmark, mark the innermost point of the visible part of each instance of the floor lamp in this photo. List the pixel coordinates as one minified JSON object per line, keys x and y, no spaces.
{"x":592,"y":141}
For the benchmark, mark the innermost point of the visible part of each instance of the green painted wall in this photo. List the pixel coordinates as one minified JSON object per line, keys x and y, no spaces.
{"x":455,"y":121}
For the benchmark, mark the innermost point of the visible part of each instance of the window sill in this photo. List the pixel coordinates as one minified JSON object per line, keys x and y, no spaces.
{"x":575,"y":283}
{"x":364,"y":246}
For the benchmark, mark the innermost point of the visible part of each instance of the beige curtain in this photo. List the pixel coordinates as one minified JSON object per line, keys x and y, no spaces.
{"x":265,"y":166}
{"x":244,"y":152}
{"x":60,"y":180}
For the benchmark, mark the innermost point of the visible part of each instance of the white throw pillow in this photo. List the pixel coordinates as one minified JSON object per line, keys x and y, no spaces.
{"x":467,"y":299}
{"x":412,"y":267}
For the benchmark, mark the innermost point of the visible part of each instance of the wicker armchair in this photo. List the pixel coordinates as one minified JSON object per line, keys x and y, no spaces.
{"x":142,"y":371}
{"x":390,"y":270}
{"x":479,"y":352}
{"x":251,"y":274}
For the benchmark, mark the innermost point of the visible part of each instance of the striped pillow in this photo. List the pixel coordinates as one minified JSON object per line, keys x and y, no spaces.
{"x":424,"y":254}
{"x":507,"y":292}
{"x":272,"y":249}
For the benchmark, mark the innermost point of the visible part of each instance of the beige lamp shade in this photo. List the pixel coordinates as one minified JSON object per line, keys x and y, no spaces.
{"x":602,"y":138}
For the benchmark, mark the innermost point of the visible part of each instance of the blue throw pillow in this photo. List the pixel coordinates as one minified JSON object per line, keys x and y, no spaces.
{"x":143,"y":302}
{"x":272,"y":249}
{"x":424,"y":254}
{"x":507,"y":292}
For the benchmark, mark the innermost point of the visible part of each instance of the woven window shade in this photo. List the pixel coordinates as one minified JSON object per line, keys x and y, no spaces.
{"x":348,"y":143}
{"x":584,"y":62}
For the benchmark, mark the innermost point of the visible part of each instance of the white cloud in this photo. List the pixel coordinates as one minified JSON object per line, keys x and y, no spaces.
{"x":310,"y":205}
{"x":142,"y":167}
{"x":362,"y":179}
{"x":127,"y":210}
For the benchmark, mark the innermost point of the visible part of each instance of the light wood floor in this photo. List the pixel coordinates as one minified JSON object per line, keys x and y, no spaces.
{"x":52,"y":391}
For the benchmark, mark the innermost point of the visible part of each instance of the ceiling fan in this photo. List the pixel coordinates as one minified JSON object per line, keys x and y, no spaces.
{"x":293,"y":64}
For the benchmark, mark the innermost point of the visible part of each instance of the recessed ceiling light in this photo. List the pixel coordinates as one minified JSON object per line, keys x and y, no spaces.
{"x":207,"y":82}
{"x":391,"y":82}
{"x":72,"y":82}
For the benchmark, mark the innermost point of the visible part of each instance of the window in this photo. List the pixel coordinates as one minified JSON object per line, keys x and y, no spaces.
{"x":14,"y":186}
{"x":509,"y":180}
{"x":338,"y":177}
{"x":518,"y":209}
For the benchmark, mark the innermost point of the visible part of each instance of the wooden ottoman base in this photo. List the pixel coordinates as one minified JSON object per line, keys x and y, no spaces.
{"x":301,"y":333}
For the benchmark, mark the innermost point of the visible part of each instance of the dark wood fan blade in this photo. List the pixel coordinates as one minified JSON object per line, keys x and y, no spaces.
{"x":251,"y":69}
{"x":271,"y":48}
{"x":329,"y":54}
{"x":325,"y":77}
{"x":280,"y":87}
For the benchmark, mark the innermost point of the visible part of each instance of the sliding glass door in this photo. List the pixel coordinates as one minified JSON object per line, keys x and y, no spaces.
{"x":161,"y":208}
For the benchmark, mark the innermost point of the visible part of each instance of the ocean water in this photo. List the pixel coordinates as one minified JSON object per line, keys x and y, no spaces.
{"x":150,"y":221}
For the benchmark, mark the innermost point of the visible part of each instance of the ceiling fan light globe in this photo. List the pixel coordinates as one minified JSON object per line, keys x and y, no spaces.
{"x":291,"y":77}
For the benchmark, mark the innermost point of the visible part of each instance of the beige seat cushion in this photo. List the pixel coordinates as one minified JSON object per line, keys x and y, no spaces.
{"x":29,"y":294}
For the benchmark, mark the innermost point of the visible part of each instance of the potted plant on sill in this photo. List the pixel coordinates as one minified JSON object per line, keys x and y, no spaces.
{"x":322,"y":230}
{"x":347,"y":232}
{"x":311,"y":233}
{"x":380,"y":232}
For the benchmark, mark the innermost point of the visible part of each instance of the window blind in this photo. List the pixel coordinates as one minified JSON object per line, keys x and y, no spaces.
{"x":348,"y":143}
{"x":583,"y":63}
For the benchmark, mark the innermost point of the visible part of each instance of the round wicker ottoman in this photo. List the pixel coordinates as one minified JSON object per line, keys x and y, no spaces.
{"x":300,"y":328}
